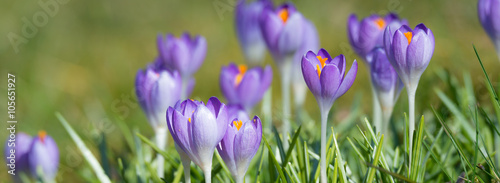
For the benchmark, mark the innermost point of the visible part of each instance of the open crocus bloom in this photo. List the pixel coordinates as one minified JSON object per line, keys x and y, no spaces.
{"x":367,"y":34}
{"x":282,"y":29}
{"x":184,"y":54}
{"x":325,"y":76}
{"x":198,"y":128}
{"x":240,"y":144}
{"x":44,"y":155}
{"x":245,"y":87}
{"x":409,"y":51}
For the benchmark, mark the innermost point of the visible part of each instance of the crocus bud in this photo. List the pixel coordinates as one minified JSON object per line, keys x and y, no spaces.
{"x":282,"y":29}
{"x":184,"y":54}
{"x":489,"y":16}
{"x":409,"y":52}
{"x":385,"y":79}
{"x":156,"y":90}
{"x":44,"y":157}
{"x":197,"y":129}
{"x":367,"y":34}
{"x":16,"y":154}
{"x":242,"y":87}
{"x":248,"y":29}
{"x":325,"y":76}
{"x":239,"y":145}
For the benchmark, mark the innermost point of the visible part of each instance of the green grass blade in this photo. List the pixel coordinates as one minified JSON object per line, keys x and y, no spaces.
{"x":292,"y":145}
{"x":453,"y":139}
{"x":94,"y":164}
{"x":279,"y":144}
{"x":275,"y":162}
{"x":171,"y":160}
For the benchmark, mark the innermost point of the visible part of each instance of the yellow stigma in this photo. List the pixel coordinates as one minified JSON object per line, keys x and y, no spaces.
{"x":322,"y":62}
{"x":238,"y":124}
{"x":242,"y":70}
{"x":42,"y":134}
{"x":380,"y":23}
{"x":191,"y":100}
{"x":283,"y":14}
{"x":189,"y":119}
{"x":408,"y":36}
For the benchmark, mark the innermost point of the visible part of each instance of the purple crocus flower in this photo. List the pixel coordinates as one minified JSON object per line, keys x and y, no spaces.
{"x":367,"y":34}
{"x":489,"y":16}
{"x":282,"y":29}
{"x":16,"y":154}
{"x":156,"y":90}
{"x":239,"y":145}
{"x":384,"y":78}
{"x":197,"y":129}
{"x":386,"y":84}
{"x":242,"y":87}
{"x":324,"y":76}
{"x":184,"y":54}
{"x":409,"y":51}
{"x":44,"y":157}
{"x":248,"y":29}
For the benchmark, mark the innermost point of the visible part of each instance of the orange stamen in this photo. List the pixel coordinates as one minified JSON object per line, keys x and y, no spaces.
{"x":380,"y":23}
{"x":42,"y":134}
{"x":242,"y":70}
{"x":322,"y":61}
{"x":283,"y":14}
{"x":408,"y":36}
{"x":189,"y":119}
{"x":238,"y":124}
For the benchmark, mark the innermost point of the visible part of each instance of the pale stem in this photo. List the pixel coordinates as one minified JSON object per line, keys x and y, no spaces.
{"x":411,"y":102}
{"x":161,"y":137}
{"x":267,"y":108}
{"x":208,"y":174}
{"x":386,"y":118}
{"x":238,"y":179}
{"x":186,"y":164}
{"x":324,"y":116}
{"x":286,"y":66}
{"x":377,"y":111}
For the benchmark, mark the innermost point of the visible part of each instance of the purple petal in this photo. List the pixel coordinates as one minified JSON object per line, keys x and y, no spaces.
{"x":204,"y":137}
{"x":330,"y":80}
{"x":290,"y":38}
{"x":311,"y":77}
{"x":45,"y":154}
{"x":348,"y":80}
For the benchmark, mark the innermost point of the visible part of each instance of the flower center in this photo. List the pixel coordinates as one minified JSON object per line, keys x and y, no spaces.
{"x":322,"y":61}
{"x":408,"y":36}
{"x":242,"y":70}
{"x":283,"y":14}
{"x":42,"y":134}
{"x":238,"y":124}
{"x":380,"y":23}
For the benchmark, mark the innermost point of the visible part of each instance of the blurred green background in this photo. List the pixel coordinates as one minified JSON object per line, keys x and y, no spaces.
{"x":83,"y":61}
